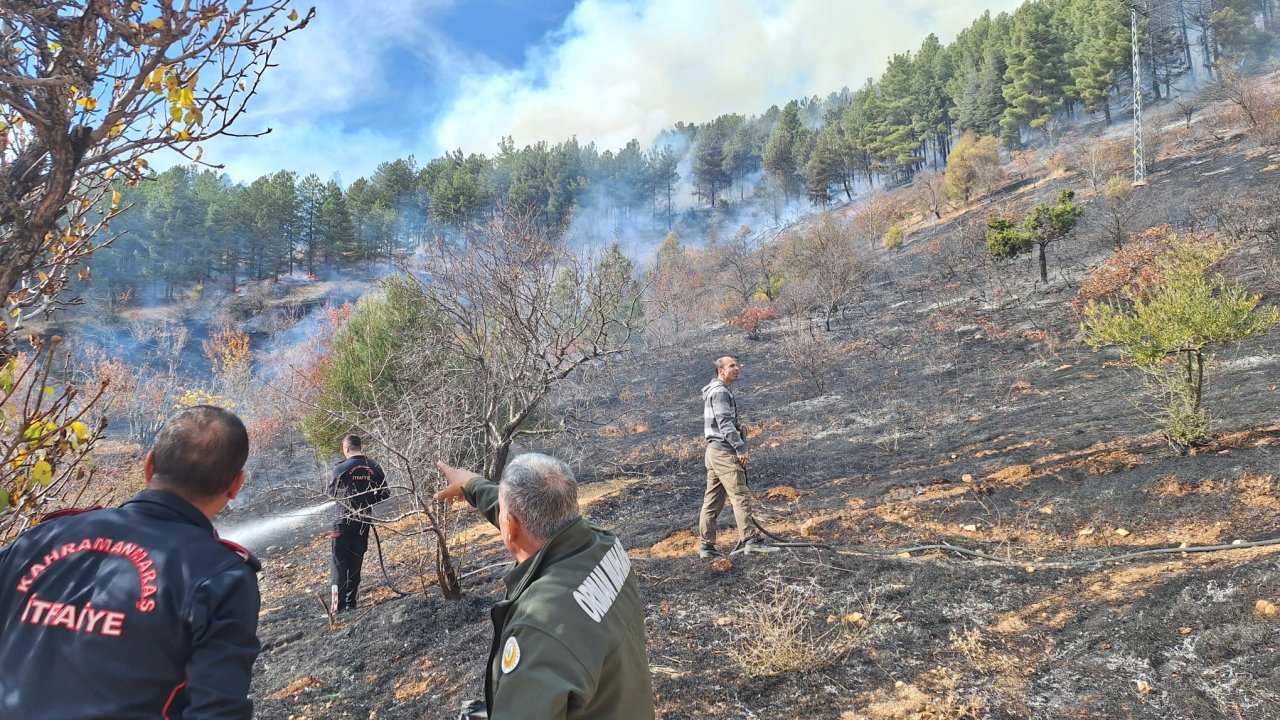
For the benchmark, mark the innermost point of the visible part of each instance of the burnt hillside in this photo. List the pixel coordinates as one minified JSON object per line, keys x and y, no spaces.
{"x":956,"y":406}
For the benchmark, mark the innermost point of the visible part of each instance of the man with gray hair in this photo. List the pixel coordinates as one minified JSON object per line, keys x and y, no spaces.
{"x":568,"y":638}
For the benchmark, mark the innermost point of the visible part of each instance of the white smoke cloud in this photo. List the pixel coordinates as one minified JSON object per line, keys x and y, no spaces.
{"x":620,"y":70}
{"x":347,"y":94}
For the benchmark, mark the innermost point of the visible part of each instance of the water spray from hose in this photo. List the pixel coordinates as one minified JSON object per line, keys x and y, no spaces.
{"x":261,"y":531}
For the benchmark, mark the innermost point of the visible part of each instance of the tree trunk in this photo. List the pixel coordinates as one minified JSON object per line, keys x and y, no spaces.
{"x":1044,"y":265}
{"x":498,"y":460}
{"x":1186,"y":41}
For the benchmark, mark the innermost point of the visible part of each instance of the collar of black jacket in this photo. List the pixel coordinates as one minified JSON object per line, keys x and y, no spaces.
{"x":172,"y":504}
{"x":566,"y":542}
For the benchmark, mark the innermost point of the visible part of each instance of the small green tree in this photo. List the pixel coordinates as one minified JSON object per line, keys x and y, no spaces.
{"x":366,"y":364}
{"x":893,"y":238}
{"x":1167,"y":324}
{"x":1043,"y":224}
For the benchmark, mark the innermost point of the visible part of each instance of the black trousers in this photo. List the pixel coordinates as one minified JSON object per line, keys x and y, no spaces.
{"x":349,"y":541}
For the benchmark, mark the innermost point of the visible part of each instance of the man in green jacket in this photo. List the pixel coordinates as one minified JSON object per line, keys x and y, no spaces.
{"x":568,"y":639}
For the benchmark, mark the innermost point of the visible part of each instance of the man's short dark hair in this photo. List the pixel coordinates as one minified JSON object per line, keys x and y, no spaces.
{"x":353,"y":442}
{"x":199,"y":451}
{"x":542,"y":492}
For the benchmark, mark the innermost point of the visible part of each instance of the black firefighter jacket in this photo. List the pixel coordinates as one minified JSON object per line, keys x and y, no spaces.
{"x":358,"y":484}
{"x":131,"y":612}
{"x":568,"y":640}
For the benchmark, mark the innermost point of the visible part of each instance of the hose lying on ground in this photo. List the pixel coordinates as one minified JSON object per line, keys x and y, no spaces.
{"x":377,"y":540}
{"x":948,"y":547}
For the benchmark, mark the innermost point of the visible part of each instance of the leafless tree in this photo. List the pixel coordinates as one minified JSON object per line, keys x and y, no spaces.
{"x":748,"y":266}
{"x":1185,"y":106}
{"x":827,"y":268}
{"x":678,"y":297}
{"x":1120,"y":206}
{"x":1246,"y":93}
{"x":875,"y":216}
{"x":521,"y":310}
{"x":1098,"y":160}
{"x":929,"y":193}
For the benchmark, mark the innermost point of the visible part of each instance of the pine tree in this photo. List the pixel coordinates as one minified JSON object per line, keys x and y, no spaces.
{"x":1037,"y":80}
{"x":310,"y":198}
{"x":785,"y":153}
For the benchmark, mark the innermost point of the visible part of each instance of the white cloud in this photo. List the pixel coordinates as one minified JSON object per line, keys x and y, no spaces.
{"x":348,"y":63}
{"x":342,"y":98}
{"x":621,"y":69}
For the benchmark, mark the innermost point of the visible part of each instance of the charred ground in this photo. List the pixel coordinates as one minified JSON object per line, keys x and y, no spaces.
{"x":963,"y":410}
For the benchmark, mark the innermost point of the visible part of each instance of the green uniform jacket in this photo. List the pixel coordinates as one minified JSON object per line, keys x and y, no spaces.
{"x":568,"y":640}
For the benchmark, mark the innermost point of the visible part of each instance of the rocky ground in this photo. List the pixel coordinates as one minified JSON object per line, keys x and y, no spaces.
{"x":961,"y":410}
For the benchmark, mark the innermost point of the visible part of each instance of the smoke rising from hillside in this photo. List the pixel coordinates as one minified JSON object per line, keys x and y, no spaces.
{"x":622,"y":70}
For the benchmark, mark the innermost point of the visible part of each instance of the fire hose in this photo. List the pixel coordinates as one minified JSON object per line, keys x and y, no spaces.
{"x":978,"y":554}
{"x":391,"y":585}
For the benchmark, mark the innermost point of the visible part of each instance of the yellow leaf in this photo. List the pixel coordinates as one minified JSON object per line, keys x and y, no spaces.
{"x":42,"y":472}
{"x":184,"y":135}
{"x":293,"y":15}
{"x":80,"y":429}
{"x":186,"y":98}
{"x":48,"y":390}
{"x":175,"y":112}
{"x":88,"y":103}
{"x":107,"y":175}
{"x":115,"y":198}
{"x":44,"y":277}
{"x":158,"y":24}
{"x":4,"y":499}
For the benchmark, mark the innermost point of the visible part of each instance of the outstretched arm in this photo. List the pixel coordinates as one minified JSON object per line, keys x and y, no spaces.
{"x":465,"y":485}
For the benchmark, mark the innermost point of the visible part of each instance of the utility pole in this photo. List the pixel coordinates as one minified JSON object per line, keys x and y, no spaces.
{"x":1139,"y":150}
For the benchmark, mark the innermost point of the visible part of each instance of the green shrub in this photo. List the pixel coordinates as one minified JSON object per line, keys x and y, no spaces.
{"x":1167,"y":322}
{"x":893,"y":238}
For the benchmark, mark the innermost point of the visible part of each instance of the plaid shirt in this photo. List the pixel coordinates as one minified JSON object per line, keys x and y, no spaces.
{"x":720,"y":418}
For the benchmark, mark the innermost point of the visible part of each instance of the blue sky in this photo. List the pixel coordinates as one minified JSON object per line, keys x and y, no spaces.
{"x":372,"y":82}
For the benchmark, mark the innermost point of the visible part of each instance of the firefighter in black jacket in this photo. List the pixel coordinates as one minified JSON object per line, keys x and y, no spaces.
{"x":138,"y":611}
{"x":358,"y":484}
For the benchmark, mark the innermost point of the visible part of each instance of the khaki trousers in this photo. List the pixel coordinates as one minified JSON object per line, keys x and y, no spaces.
{"x":725,"y":480}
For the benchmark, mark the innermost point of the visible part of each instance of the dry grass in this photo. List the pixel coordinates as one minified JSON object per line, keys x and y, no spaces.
{"x":782,"y":630}
{"x":907,"y":701}
{"x":615,"y":431}
{"x":297,"y":687}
